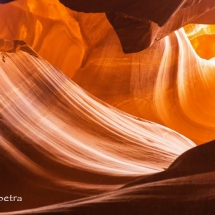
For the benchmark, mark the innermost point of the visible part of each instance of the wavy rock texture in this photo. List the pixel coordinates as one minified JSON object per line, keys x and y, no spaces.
{"x":166,"y":83}
{"x":55,"y":135}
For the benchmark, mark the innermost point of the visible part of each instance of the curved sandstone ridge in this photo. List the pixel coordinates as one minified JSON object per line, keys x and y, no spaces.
{"x":166,"y":83}
{"x":60,"y":141}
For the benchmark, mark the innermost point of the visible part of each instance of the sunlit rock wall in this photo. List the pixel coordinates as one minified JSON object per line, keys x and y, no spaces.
{"x":202,"y":38}
{"x":49,"y":28}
